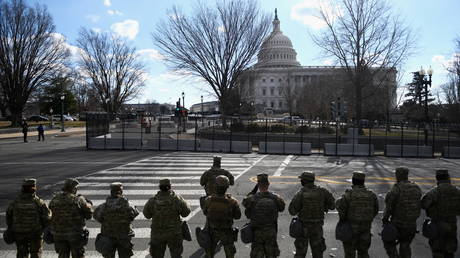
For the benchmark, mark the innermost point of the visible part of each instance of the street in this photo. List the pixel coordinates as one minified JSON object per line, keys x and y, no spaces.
{"x":139,"y":171}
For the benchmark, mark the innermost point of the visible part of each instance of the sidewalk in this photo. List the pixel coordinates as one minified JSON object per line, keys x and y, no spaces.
{"x":48,"y":133}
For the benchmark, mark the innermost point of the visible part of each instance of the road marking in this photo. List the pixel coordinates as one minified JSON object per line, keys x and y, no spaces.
{"x":283,"y":165}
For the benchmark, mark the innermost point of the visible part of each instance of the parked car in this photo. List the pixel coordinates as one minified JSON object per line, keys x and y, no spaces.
{"x":291,"y":119}
{"x":66,"y":118}
{"x":38,"y":118}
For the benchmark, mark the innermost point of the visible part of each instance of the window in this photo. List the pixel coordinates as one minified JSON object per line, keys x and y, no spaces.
{"x":271,"y":80}
{"x":272,"y":91}
{"x":264,"y":92}
{"x":272,"y":104}
{"x":263,"y":80}
{"x":265,"y":104}
{"x":279,"y":80}
{"x":280,"y":91}
{"x":281,"y":104}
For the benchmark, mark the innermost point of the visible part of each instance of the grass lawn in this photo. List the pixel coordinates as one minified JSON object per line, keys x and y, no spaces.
{"x":7,"y":124}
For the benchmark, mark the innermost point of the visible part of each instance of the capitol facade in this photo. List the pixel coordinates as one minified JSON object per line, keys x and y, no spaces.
{"x":278,"y":83}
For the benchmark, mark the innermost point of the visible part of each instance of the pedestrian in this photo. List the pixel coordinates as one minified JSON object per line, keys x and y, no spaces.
{"x":262,"y":209}
{"x":310,"y":204}
{"x":402,"y":209}
{"x":220,"y":210}
{"x":116,"y":216}
{"x":26,"y":217}
{"x":70,"y":212}
{"x":166,"y":209}
{"x":25,"y":129}
{"x":208,"y":179}
{"x":41,"y":132}
{"x":358,"y":206}
{"x":442,"y":205}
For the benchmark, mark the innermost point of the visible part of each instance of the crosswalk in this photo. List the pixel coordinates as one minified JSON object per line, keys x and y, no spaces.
{"x":140,"y":181}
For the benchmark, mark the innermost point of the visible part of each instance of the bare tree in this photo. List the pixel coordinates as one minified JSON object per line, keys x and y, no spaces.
{"x":29,"y":53}
{"x":216,"y":44}
{"x":454,"y":70}
{"x":367,"y":40}
{"x":112,"y":68}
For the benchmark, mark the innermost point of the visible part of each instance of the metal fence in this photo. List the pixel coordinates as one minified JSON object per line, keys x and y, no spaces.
{"x":273,"y":136}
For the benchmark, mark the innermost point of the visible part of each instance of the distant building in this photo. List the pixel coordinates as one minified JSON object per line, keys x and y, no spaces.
{"x":210,"y":107}
{"x":152,"y":108}
{"x":277,"y":83}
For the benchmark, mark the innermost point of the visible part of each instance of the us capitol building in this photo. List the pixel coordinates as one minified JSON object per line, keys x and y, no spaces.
{"x":278,"y":83}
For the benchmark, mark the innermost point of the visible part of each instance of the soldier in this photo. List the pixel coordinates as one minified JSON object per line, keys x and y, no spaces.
{"x":208,"y":179}
{"x":220,"y":210}
{"x":262,"y":209}
{"x":27,"y":216}
{"x":310,"y":204}
{"x":70,"y":212}
{"x":442,"y":205}
{"x":165,"y":209}
{"x":402,"y":208}
{"x":358,"y":206}
{"x":116,"y":216}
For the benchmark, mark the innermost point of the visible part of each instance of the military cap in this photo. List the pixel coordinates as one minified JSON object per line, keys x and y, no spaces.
{"x":359,"y":175}
{"x":71,"y":183}
{"x":442,"y":174}
{"x":116,"y":186}
{"x":216,"y":161}
{"x":165,"y":182}
{"x":29,"y":182}
{"x":307,"y":175}
{"x":262,"y":178}
{"x":222,"y":181}
{"x":402,"y":172}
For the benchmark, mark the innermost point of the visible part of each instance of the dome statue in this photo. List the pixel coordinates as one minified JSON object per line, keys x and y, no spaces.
{"x":277,"y":50}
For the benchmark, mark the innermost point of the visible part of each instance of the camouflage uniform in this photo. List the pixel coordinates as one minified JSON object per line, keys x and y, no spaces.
{"x":358,"y":206}
{"x":27,"y":216}
{"x":165,"y":209}
{"x":402,"y":208}
{"x":208,"y":179}
{"x":442,"y":205}
{"x":310,"y":204}
{"x":262,"y":209}
{"x":116,"y":216}
{"x":220,"y":211}
{"x":70,"y":212}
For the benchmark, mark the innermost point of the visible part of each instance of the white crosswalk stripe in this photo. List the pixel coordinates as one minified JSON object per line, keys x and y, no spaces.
{"x":140,"y":181}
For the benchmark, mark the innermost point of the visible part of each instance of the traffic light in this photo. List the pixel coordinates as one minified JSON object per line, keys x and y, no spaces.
{"x":177,"y":111}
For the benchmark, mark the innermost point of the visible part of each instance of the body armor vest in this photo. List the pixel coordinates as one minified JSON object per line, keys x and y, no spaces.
{"x":117,"y":217}
{"x":312,"y":204}
{"x":219,"y":211}
{"x":408,"y":204}
{"x":448,"y":202}
{"x":361,"y":206}
{"x":66,"y":217}
{"x":166,"y":213}
{"x":26,"y":215}
{"x":264,"y":211}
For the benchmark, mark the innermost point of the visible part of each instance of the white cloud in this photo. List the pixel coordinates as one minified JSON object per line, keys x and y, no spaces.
{"x":441,"y":63}
{"x":107,"y":3}
{"x":221,"y":28}
{"x":307,"y":12}
{"x":93,"y":18}
{"x":127,"y":28}
{"x":97,"y":30}
{"x":150,"y":54}
{"x":328,"y":61}
{"x":114,"y":12}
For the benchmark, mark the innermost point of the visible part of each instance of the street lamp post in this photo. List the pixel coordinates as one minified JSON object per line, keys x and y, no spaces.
{"x":425,"y":83}
{"x":183,"y":105}
{"x":62,"y":112}
{"x":51,"y":116}
{"x":202,"y":121}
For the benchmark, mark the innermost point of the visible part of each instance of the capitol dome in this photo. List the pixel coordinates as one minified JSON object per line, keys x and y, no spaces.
{"x":277,"y":50}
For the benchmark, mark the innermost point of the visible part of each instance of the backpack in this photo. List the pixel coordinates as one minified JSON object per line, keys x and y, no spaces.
{"x":361,"y":206}
{"x":264,"y":210}
{"x":219,"y":211}
{"x":26,"y":215}
{"x":408,"y":204}
{"x":312,"y":204}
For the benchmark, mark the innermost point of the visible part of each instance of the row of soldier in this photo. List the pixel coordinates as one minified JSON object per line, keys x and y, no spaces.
{"x":64,"y":221}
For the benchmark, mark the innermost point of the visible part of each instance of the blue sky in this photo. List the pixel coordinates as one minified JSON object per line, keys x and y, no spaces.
{"x":436,"y":24}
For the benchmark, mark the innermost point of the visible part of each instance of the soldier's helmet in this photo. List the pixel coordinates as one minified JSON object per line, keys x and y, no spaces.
{"x":70,"y":184}
{"x":116,"y":187}
{"x":402,"y":173}
{"x":222,"y":181}
{"x":216,"y":161}
{"x":359,"y":175}
{"x":29,"y":182}
{"x":262,"y":178}
{"x":307,"y":176}
{"x":442,"y":174}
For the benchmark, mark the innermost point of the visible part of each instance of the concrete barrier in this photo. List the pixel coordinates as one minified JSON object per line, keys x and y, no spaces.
{"x":345,"y":149}
{"x":224,"y":146}
{"x":414,"y":151}
{"x":170,"y":145}
{"x":451,"y":152}
{"x":285,"y":148}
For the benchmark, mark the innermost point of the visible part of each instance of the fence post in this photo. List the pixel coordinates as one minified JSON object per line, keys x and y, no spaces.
{"x":249,"y":136}
{"x":231,"y":134}
{"x":319,"y":138}
{"x":159,"y":134}
{"x":418,"y":135}
{"x":106,"y":130}
{"x":370,"y":140}
{"x":123,"y":133}
{"x":177,"y":136}
{"x":142,"y":120}
{"x":213,"y":132}
{"x":402,"y":138}
{"x":301,"y":137}
{"x":86,"y":126}
{"x":284,"y":137}
{"x":196,"y":129}
{"x":448,"y":141}
{"x":336,"y":138}
{"x":353,"y":139}
{"x":434,"y":134}
{"x":386,"y":140}
{"x":266,"y":132}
